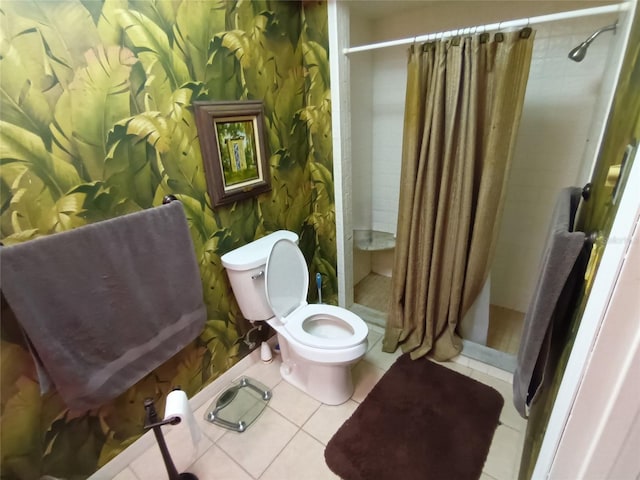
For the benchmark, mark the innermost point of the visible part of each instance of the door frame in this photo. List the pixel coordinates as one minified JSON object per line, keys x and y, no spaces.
{"x":339,"y":69}
{"x":594,"y":324}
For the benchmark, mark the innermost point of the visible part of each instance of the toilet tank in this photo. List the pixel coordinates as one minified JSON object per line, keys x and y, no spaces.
{"x":245,"y":268}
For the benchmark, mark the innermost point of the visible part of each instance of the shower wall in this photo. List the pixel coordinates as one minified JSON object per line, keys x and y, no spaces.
{"x":556,"y":144}
{"x":387,"y":123}
{"x":561,"y":123}
{"x":361,"y":94}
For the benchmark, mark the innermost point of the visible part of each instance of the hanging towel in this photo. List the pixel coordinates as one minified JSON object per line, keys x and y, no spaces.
{"x":104,"y":304}
{"x":561,"y":251}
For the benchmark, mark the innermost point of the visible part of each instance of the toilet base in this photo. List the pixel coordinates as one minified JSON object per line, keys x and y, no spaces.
{"x":338,"y":391}
{"x":330,"y":384}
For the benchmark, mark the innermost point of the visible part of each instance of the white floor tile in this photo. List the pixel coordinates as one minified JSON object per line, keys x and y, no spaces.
{"x":458,"y":367}
{"x":125,"y":474}
{"x":373,"y":337}
{"x":477,"y":365}
{"x":518,"y":457}
{"x":328,"y":419}
{"x":461,"y":360}
{"x":150,"y":464}
{"x":503,"y":454}
{"x":213,"y":432}
{"x":261,"y":443}
{"x":484,"y":476}
{"x":381,"y":359}
{"x":500,"y":374}
{"x":376,"y":329}
{"x":365,"y":376}
{"x":303,"y":457}
{"x":509,"y":415}
{"x":217,"y":465}
{"x":266,"y":373}
{"x":293,"y":404}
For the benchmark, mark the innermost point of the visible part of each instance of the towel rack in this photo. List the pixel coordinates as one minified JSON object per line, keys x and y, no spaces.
{"x":166,"y":199}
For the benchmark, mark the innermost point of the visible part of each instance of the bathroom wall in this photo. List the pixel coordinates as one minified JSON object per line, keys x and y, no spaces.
{"x":97,"y":121}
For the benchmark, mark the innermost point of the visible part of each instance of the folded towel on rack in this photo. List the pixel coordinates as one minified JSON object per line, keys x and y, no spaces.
{"x":104,"y":304}
{"x":562,"y":248}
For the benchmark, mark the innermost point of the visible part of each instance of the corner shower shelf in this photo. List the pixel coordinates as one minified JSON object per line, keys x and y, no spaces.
{"x":372,"y":240}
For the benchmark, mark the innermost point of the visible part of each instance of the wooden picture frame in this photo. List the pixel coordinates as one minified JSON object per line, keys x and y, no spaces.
{"x":233,"y":149}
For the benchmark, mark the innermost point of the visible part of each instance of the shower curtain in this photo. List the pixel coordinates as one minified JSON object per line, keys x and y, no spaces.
{"x":463,"y":105}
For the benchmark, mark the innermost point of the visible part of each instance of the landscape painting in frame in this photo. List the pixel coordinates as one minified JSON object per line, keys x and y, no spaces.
{"x":232,"y":143}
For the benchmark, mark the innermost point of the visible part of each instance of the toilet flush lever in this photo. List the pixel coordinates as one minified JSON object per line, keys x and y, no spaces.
{"x":258,"y":275}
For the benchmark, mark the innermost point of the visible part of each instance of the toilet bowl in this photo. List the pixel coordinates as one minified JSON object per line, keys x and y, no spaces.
{"x":318,"y":342}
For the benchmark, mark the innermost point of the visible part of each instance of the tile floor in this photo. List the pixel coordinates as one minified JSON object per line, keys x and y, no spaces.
{"x":288,"y":439}
{"x":373,"y":291}
{"x":505,"y":329}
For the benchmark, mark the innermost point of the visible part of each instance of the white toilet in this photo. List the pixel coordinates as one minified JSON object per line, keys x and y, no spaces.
{"x":318,"y":342}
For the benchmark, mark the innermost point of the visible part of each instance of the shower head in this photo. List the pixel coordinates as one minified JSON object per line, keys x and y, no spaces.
{"x":578,"y":53}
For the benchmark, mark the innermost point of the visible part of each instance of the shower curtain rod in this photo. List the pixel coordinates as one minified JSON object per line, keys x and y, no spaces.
{"x":522,"y":22}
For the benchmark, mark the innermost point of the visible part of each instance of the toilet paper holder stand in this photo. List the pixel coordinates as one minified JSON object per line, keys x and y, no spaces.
{"x":152,"y":422}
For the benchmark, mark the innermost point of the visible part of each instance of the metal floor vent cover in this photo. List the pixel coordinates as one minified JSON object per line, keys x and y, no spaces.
{"x":238,"y":406}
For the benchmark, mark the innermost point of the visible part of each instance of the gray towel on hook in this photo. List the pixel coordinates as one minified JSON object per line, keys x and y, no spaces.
{"x":560,"y":254}
{"x":561,"y":251}
{"x":104,"y":304}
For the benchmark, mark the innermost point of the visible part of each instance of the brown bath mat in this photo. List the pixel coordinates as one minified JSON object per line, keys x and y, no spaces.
{"x":421,"y":421}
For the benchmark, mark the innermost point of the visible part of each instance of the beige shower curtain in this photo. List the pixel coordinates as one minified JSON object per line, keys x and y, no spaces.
{"x":463,"y":104}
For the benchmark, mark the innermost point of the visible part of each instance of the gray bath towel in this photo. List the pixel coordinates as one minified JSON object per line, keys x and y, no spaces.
{"x":560,"y":254}
{"x":104,"y":304}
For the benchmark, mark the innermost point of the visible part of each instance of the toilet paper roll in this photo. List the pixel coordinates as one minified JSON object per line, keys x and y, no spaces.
{"x":182,"y":439}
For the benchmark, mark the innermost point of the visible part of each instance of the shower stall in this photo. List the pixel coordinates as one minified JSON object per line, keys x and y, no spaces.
{"x":560,"y":131}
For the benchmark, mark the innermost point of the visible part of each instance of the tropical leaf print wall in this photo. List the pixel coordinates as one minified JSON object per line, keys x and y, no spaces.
{"x":97,"y":121}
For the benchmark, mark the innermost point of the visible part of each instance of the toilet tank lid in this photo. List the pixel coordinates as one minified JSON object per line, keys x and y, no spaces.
{"x":255,"y":253}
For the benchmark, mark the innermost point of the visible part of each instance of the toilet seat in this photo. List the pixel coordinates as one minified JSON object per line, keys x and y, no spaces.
{"x":318,"y":325}
{"x":319,"y":312}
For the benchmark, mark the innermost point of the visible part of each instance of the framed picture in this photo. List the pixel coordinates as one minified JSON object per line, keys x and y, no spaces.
{"x":233,"y":149}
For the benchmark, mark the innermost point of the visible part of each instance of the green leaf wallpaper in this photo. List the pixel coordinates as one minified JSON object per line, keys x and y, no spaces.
{"x":96,"y":121}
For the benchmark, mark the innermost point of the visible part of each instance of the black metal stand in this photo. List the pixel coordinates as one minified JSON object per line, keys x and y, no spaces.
{"x":151,"y":421}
